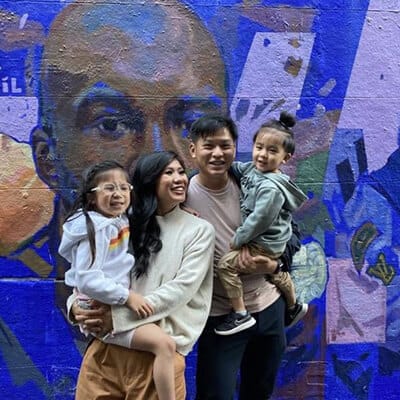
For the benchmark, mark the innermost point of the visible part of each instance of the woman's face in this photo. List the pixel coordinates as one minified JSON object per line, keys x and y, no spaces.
{"x":171,"y":187}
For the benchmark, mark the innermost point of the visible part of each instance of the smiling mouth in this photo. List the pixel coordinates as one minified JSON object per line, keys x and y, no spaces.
{"x":178,"y":190}
{"x":217,"y":163}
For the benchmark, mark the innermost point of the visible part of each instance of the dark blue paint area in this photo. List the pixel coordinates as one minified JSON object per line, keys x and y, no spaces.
{"x":12,"y":73}
{"x":38,"y":354}
{"x":353,"y":369}
{"x":337,"y":36}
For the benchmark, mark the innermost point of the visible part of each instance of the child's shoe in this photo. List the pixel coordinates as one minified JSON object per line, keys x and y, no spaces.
{"x":294,"y":315}
{"x":234,"y":323}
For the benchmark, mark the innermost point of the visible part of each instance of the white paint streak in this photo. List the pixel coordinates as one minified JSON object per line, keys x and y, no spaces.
{"x":372,"y":100}
{"x":22,"y":21}
{"x":264,"y":78}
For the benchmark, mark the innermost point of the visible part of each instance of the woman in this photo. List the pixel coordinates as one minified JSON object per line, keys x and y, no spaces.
{"x":173,"y":271}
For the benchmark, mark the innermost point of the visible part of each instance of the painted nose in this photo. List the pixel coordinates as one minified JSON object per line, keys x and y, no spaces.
{"x":156,"y":136}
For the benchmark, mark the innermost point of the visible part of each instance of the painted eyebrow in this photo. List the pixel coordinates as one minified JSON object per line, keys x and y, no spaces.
{"x":97,"y":93}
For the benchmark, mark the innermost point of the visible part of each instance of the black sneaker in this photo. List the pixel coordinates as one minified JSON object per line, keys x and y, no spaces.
{"x":235,"y":323}
{"x":296,"y":314}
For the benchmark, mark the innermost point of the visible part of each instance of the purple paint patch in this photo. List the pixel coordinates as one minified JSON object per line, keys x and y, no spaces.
{"x":356,"y":305}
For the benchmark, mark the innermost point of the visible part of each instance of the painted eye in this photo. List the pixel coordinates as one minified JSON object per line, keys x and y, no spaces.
{"x":113,"y":127}
{"x":181,"y":113}
{"x":116,"y":126}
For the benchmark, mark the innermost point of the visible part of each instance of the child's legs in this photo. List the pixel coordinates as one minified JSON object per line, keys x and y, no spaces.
{"x":282,"y":279}
{"x":228,"y":274}
{"x":123,"y":339}
{"x":151,"y":338}
{"x":285,"y":284}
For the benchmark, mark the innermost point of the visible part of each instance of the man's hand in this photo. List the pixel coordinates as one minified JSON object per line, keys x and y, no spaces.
{"x":255,"y":264}
{"x":96,"y":320}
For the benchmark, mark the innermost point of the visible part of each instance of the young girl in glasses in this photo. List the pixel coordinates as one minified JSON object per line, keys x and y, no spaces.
{"x":95,"y":241}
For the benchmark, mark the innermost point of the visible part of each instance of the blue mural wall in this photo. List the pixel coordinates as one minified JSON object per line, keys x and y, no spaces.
{"x":83,"y":81}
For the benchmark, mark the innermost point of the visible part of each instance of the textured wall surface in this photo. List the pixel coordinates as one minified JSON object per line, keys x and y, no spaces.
{"x":82,"y":81}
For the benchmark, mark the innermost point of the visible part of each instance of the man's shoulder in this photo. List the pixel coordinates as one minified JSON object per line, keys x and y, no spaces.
{"x":194,"y":220}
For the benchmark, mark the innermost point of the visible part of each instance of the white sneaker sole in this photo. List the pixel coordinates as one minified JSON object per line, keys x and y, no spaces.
{"x":300,"y":315}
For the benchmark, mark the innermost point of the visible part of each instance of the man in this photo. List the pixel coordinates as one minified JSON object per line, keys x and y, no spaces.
{"x":119,"y":79}
{"x":256,"y":351}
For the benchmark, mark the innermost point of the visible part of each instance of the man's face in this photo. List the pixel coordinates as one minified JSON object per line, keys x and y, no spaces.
{"x":214,"y":154}
{"x":122,"y":79}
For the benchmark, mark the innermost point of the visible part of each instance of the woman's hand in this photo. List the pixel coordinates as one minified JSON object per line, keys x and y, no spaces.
{"x":96,"y":319}
{"x":256,"y":264}
{"x":138,"y":304}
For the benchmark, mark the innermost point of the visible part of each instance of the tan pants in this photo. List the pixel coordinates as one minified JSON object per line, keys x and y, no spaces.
{"x":110,"y":372}
{"x":229,"y":275}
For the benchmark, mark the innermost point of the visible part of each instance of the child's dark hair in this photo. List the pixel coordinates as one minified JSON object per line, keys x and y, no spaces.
{"x":285,"y":124}
{"x":84,"y":201}
{"x":145,"y":231}
{"x":209,"y":125}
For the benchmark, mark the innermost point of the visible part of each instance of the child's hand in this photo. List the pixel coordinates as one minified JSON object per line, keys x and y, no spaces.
{"x":138,"y":304}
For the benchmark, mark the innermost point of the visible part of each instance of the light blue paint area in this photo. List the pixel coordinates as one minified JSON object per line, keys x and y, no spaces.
{"x":149,"y":20}
{"x":157,"y":143}
{"x":309,"y":272}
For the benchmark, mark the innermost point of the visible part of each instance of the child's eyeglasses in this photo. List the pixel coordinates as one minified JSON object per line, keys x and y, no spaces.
{"x":112,"y":188}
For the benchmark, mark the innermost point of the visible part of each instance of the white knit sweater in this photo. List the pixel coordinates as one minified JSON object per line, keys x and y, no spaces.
{"x":179,"y":281}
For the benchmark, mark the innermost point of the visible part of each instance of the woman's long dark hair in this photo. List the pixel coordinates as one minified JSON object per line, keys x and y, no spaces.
{"x":85,"y":196}
{"x":145,"y":231}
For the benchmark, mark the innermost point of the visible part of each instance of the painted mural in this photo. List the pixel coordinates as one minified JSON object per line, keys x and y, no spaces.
{"x":82,"y":81}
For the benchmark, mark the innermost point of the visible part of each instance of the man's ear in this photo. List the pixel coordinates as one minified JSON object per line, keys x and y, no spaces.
{"x":43,"y":156}
{"x":192,"y":149}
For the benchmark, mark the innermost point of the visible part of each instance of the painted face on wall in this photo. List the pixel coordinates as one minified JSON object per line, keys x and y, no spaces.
{"x":122,"y":79}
